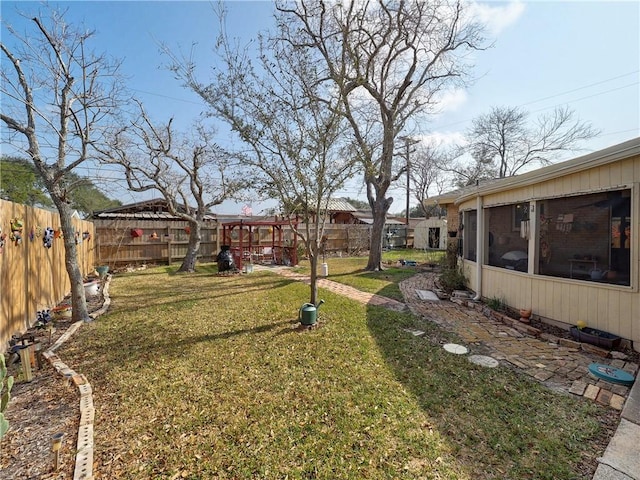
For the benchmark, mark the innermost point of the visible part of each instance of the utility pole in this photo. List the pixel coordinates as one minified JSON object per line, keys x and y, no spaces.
{"x":408,"y":190}
{"x":408,"y":141}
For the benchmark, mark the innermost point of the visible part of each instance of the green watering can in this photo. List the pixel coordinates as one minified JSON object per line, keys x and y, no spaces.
{"x":308,"y":314}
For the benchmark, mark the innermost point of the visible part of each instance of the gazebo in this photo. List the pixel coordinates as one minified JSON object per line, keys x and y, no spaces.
{"x":260,"y":241}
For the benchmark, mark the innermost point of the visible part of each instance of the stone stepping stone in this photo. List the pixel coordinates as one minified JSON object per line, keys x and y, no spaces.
{"x":484,"y":361}
{"x":455,"y":348}
{"x":427,"y":295}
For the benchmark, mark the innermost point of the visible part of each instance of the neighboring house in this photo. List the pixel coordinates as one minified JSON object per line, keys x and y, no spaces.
{"x":340,"y":211}
{"x":146,"y":210}
{"x":561,"y":240}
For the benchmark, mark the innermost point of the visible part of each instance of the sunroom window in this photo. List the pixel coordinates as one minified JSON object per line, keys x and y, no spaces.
{"x":508,"y":234}
{"x":586,"y":237}
{"x":469,"y":234}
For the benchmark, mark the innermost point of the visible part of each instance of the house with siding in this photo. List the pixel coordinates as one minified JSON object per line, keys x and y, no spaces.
{"x":561,"y":240}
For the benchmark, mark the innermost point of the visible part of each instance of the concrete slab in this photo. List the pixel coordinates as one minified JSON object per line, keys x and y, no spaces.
{"x":605,"y":472}
{"x":427,"y":295}
{"x":631,"y":411}
{"x":623,"y":451}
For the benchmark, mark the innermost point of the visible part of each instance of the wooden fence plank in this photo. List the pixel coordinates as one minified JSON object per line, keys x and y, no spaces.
{"x":33,"y":277}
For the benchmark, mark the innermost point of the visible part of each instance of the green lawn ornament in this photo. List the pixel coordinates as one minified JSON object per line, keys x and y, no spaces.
{"x":308,"y":314}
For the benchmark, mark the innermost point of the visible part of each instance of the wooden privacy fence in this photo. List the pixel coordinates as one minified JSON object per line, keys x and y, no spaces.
{"x":33,"y":277}
{"x":122,"y":242}
{"x":355,"y":239}
{"x":346,"y":238}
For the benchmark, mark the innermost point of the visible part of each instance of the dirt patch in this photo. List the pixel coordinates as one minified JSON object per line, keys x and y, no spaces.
{"x":39,"y":409}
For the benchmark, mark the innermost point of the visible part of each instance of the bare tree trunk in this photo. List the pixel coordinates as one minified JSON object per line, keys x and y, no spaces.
{"x":313,"y":260}
{"x":375,"y":253}
{"x":380,"y":209}
{"x":78,"y":299}
{"x":195,"y":238}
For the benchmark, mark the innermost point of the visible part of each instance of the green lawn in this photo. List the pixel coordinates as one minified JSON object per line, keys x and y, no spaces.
{"x":203,"y":377}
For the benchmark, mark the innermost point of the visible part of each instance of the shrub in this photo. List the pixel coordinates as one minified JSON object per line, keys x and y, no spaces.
{"x":453,"y":279}
{"x":450,"y":258}
{"x":452,"y":276}
{"x":496,"y":303}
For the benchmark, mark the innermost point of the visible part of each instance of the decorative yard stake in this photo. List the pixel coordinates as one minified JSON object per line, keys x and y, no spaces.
{"x":16,"y":230}
{"x":25,"y":360}
{"x":47,"y":239}
{"x":56,"y":445}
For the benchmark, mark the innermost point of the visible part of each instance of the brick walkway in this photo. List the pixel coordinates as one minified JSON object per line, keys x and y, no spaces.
{"x":557,"y":363}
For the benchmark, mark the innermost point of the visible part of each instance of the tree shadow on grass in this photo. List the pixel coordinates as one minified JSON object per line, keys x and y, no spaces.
{"x":161,"y":294}
{"x":497,"y":420}
{"x":234,"y":333}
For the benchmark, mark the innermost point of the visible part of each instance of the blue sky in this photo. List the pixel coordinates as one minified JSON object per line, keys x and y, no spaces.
{"x":582,"y":54}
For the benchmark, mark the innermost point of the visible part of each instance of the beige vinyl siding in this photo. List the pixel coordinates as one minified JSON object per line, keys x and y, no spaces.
{"x":612,"y":308}
{"x":604,"y":307}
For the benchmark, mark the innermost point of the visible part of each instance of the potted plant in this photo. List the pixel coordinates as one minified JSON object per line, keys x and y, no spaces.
{"x":102,"y":270}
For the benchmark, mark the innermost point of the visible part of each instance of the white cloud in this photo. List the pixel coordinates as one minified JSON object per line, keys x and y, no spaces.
{"x":497,"y":17}
{"x":445,"y":139}
{"x":451,"y":100}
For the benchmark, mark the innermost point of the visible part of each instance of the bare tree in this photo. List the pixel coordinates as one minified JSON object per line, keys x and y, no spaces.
{"x":298,"y":150}
{"x":387,"y":62}
{"x":191,"y":172}
{"x":503,"y":139}
{"x":462,"y":173}
{"x":57,"y":97}
{"x":426,"y":173}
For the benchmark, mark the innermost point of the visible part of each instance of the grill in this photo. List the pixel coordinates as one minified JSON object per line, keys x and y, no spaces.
{"x":225,"y":259}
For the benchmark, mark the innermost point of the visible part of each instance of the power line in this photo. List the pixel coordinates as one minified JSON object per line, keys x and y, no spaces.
{"x":565,"y":93}
{"x":581,"y":88}
{"x":202,"y":104}
{"x":587,"y":97}
{"x":635,"y":130}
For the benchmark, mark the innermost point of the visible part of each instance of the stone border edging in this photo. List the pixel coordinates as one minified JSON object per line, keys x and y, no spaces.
{"x":84,"y":449}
